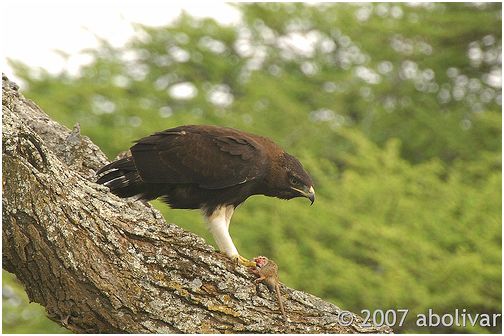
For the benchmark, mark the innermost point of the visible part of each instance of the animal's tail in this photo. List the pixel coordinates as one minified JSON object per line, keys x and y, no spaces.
{"x":123,"y":179}
{"x":280,"y":303}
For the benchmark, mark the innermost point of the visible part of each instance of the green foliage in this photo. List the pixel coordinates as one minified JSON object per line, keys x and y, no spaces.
{"x":394,"y":110}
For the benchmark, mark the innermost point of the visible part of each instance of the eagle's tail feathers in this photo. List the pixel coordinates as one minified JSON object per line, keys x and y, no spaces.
{"x":122,"y":178}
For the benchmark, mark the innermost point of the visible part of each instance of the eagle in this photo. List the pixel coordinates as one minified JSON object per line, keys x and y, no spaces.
{"x":211,"y":168}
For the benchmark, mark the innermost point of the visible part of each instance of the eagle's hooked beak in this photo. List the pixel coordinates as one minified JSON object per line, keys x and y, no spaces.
{"x":307,"y":192}
{"x":311,"y":195}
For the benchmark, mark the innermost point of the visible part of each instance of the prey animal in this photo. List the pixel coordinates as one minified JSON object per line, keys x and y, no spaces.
{"x":211,"y":168}
{"x":267,"y":272}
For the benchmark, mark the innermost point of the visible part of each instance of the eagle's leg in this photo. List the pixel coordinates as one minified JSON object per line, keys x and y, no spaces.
{"x":218,"y":223}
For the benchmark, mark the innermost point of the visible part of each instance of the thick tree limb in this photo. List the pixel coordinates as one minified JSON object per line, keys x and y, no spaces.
{"x":99,"y":263}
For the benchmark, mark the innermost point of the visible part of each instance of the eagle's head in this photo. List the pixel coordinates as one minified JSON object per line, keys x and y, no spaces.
{"x":294,"y":181}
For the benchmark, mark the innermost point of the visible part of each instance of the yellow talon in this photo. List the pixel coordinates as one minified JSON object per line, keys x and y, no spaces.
{"x":244,"y":261}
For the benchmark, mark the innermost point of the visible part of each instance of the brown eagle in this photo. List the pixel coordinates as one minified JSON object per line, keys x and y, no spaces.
{"x":209,"y":168}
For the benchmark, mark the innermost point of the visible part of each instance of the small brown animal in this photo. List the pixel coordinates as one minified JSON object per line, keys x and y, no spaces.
{"x":267,"y":270}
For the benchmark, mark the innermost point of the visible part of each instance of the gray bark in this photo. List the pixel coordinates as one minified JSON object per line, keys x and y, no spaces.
{"x":99,"y":263}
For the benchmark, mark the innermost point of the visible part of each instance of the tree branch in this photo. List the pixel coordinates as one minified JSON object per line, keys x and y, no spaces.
{"x":100,"y":264}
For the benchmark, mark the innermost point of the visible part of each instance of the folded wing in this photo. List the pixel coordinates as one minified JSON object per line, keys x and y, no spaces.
{"x":211,"y":157}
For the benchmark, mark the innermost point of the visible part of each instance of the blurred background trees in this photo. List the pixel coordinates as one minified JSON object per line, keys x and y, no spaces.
{"x":394,"y":109}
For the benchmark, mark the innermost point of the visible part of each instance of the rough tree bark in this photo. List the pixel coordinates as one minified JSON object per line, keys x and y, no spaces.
{"x":99,"y":263}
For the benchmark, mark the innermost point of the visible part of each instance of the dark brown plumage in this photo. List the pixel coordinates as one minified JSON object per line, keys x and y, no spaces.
{"x":207,"y":167}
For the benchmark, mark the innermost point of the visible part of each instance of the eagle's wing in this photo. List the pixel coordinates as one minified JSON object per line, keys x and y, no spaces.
{"x":211,"y":157}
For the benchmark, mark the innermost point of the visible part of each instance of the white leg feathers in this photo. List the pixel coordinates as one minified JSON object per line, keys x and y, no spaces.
{"x":218,"y":224}
{"x":229,"y":214}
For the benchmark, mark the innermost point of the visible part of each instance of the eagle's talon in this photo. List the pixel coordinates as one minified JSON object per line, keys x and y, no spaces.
{"x":244,"y":261}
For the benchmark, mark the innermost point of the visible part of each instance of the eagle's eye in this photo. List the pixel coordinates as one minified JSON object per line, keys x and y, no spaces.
{"x":294,"y":181}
